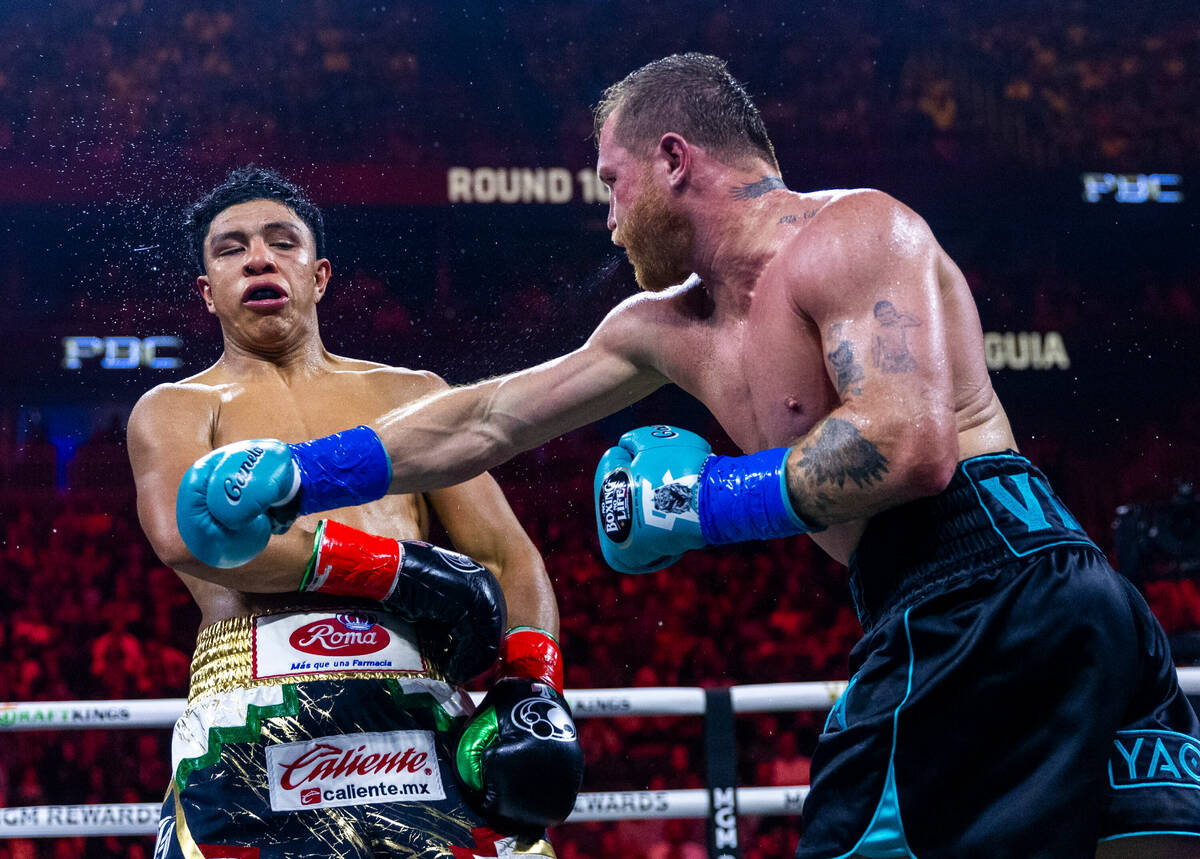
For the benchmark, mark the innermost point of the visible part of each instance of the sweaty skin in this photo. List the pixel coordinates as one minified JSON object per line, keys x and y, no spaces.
{"x":276,"y":380}
{"x":831,"y":322}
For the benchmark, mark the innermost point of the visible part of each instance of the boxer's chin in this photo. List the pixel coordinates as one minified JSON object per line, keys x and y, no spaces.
{"x":657,"y":275}
{"x":658,"y":242}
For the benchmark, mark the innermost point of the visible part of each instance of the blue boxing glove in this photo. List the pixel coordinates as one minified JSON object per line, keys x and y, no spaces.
{"x":661,"y":491}
{"x":231,"y":500}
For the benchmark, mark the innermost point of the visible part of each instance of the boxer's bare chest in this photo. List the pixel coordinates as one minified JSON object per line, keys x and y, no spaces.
{"x":317,"y":407}
{"x":761,"y":373}
{"x":294,"y":412}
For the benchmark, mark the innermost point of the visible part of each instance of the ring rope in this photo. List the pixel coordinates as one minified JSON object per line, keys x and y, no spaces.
{"x":585,"y":703}
{"x":60,"y":821}
{"x":141,"y":818}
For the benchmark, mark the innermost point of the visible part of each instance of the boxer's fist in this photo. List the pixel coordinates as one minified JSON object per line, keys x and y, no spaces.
{"x":456,"y":597}
{"x":231,"y":500}
{"x":647,"y":498}
{"x":521,"y":756}
{"x":222,"y":508}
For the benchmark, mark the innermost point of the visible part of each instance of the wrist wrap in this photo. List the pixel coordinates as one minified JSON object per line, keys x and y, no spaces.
{"x":532,"y":653}
{"x":349,"y":562}
{"x":746,"y":498}
{"x":341,"y":470}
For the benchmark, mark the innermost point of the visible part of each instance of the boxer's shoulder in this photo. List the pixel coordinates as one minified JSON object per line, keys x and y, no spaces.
{"x":189,"y":396}
{"x":400,"y":382}
{"x":643,"y":327}
{"x":852,"y":222}
{"x":856,"y":239}
{"x":382,"y":379}
{"x":664,"y":307}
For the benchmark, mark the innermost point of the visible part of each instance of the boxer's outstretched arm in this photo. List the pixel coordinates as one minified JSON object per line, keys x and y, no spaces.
{"x":481,"y":525}
{"x":454,"y":435}
{"x":878,"y":306}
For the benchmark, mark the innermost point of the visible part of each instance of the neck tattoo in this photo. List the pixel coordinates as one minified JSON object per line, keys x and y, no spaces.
{"x":750,"y":190}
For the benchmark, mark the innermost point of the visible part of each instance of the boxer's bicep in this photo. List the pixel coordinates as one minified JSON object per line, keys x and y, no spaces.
{"x":880,"y":318}
{"x":169,"y":429}
{"x":877,"y":306}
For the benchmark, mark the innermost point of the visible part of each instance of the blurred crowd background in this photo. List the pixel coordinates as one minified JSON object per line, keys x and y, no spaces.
{"x":983,"y":117}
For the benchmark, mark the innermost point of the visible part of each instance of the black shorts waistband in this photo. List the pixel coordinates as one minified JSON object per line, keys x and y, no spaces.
{"x":996,"y":510}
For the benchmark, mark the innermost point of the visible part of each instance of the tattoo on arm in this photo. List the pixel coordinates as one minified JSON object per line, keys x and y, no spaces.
{"x":890,"y":351}
{"x":750,"y":190}
{"x":840,"y":452}
{"x":847,"y":369}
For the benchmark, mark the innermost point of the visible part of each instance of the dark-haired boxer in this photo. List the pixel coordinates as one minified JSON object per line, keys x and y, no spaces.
{"x":326,"y":715}
{"x":1012,"y":696}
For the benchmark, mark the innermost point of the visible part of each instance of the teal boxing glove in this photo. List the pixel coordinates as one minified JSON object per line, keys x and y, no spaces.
{"x":646,"y":505}
{"x":231,"y":500}
{"x":661,"y":491}
{"x":222,"y":499}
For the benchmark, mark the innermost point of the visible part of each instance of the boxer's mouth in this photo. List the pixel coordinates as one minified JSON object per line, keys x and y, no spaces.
{"x":264,"y":296}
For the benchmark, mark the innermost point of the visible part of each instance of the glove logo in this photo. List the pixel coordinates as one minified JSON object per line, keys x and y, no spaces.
{"x":674,"y":499}
{"x":615,"y":508}
{"x":663,"y":431}
{"x":235,"y":484}
{"x":459,"y":562}
{"x":545,"y":719}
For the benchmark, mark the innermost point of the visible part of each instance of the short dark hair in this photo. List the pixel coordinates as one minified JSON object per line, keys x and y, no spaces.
{"x":251,"y":183}
{"x":694,"y":95}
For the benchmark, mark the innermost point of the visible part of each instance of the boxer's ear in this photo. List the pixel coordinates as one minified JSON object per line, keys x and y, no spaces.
{"x":324,"y":271}
{"x":205,"y":290}
{"x":677,"y":155}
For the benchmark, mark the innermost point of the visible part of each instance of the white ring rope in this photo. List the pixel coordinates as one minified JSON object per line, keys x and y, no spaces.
{"x":585,"y":703}
{"x":61,"y":821}
{"x":141,"y":818}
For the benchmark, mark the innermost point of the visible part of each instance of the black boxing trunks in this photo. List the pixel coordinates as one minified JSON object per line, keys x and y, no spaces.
{"x":320,"y":733}
{"x":1012,"y":695}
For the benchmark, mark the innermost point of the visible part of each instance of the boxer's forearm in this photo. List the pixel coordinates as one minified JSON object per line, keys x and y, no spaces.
{"x":850,"y":466}
{"x":453,"y":435}
{"x":278,"y":569}
{"x":530,"y":596}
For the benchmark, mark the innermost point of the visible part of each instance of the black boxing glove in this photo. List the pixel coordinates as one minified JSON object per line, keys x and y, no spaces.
{"x":520,"y":756}
{"x":442,"y":592}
